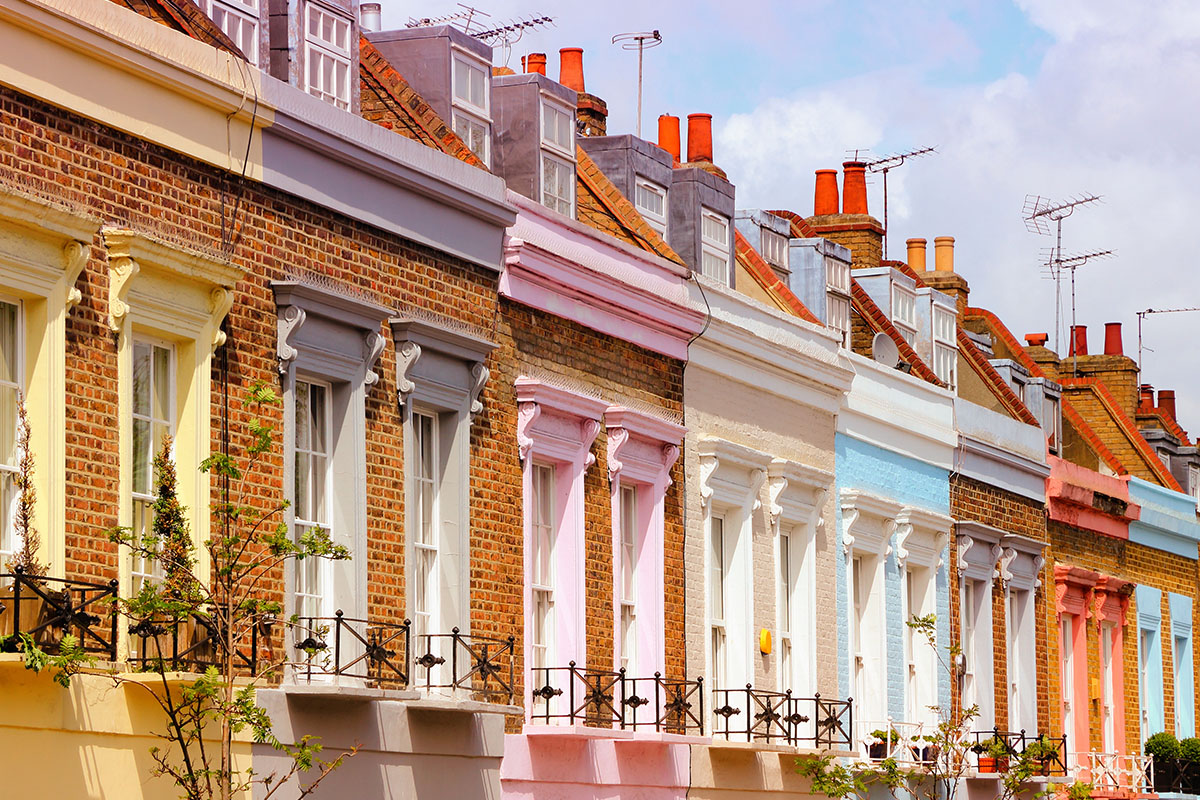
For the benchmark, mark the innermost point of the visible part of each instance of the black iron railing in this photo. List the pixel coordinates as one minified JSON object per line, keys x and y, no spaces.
{"x":46,"y":609}
{"x":483,"y":667}
{"x":193,"y":642}
{"x":375,"y":652}
{"x":1049,"y":753}
{"x":758,"y":715}
{"x":612,"y":699}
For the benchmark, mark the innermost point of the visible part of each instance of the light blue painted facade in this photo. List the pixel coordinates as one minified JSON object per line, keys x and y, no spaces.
{"x":1180,"y":608}
{"x":1149,"y":643}
{"x":1167,"y":520}
{"x":908,"y":481}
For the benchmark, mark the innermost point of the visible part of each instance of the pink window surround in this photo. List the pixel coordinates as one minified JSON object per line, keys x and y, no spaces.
{"x":565,"y":268}
{"x":1071,"y":498}
{"x":641,"y":451}
{"x":558,"y":427}
{"x":1112,"y":606}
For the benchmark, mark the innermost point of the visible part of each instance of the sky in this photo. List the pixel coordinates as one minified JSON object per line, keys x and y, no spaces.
{"x":1056,"y":98}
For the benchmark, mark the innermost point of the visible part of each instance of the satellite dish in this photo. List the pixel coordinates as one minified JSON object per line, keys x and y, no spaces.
{"x":884,"y":350}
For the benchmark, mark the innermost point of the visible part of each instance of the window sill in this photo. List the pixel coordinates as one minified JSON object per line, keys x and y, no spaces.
{"x":413,"y":698}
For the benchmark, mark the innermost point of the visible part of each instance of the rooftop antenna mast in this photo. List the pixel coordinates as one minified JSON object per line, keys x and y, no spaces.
{"x":507,"y":35}
{"x":1038,"y":213}
{"x":1141,"y":315}
{"x":464,"y":19}
{"x":640,"y":41}
{"x":885,"y":164}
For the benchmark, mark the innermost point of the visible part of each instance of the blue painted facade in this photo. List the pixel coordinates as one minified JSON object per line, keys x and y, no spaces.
{"x":1149,"y":643}
{"x":1180,"y":608}
{"x":911,"y":482}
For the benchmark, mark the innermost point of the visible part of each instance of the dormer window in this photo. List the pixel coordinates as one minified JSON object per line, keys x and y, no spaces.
{"x":327,"y":54}
{"x":1194,"y":481}
{"x":239,"y":21}
{"x":945,"y":348}
{"x":651,"y":201}
{"x":775,"y":249}
{"x":714,"y":244}
{"x":558,"y":158}
{"x":1052,"y":423}
{"x":904,"y":313}
{"x":837,"y":295}
{"x":471,"y":109}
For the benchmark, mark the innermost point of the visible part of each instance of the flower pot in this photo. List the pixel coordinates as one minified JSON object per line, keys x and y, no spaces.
{"x":878,"y":751}
{"x":990,"y":764}
{"x":1166,"y":775}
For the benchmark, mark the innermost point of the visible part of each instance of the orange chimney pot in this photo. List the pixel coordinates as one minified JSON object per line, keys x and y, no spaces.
{"x":854,"y":187}
{"x":916,"y":254}
{"x":1037,"y":339}
{"x":570,"y":70}
{"x":1166,"y":402}
{"x":1112,"y":339}
{"x":1146,"y":397}
{"x":668,"y":134}
{"x":536,"y":62}
{"x":943,"y":253}
{"x":700,"y":137}
{"x":1079,"y":341}
{"x":825,"y":195}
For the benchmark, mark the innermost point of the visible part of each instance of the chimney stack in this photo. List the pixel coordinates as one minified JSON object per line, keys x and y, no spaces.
{"x":1166,"y":403}
{"x":1145,"y":398}
{"x":943,"y":253}
{"x":1037,"y":339}
{"x":570,"y":70}
{"x":700,"y":138}
{"x":668,"y":134}
{"x":1078,"y":341}
{"x":825,"y":196}
{"x":854,"y":187}
{"x":370,"y":17}
{"x":536,"y":62}
{"x":1112,"y":339}
{"x":916,"y":254}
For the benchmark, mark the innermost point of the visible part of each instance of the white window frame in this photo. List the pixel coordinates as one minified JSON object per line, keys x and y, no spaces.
{"x":426,"y":543}
{"x":245,"y":11}
{"x":945,"y":346}
{"x":542,"y":587}
{"x":978,"y":550}
{"x":655,"y":219}
{"x":713,"y":248}
{"x":1052,"y":420}
{"x":1108,"y":723}
{"x":1066,"y":649}
{"x":775,"y":248}
{"x":1151,"y":690}
{"x":142,"y":503}
{"x":311,"y":591}
{"x":9,"y":493}
{"x":903,"y":299}
{"x":921,"y":539}
{"x":717,"y":586}
{"x":632,"y":537}
{"x":469,"y":112}
{"x":1182,"y":649}
{"x":564,"y":205}
{"x":317,"y":46}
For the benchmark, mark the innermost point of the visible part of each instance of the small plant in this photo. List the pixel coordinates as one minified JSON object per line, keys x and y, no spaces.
{"x":1079,"y":790}
{"x":1189,"y":750}
{"x":890,"y":737}
{"x":1163,"y":746}
{"x":25,"y":559}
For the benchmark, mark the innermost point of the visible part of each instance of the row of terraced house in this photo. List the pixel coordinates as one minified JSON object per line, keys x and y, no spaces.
{"x":642,"y":486}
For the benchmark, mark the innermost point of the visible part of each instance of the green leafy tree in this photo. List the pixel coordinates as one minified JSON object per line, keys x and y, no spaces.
{"x":218,"y":619}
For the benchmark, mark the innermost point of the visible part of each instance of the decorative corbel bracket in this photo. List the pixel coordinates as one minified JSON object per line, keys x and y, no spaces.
{"x":617,"y":439}
{"x":670,"y":456}
{"x":965,"y":543}
{"x":818,"y":515}
{"x":849,"y":518}
{"x":1038,"y":563}
{"x":406,"y":356}
{"x":122,"y":269}
{"x":75,"y":257}
{"x":889,"y":528}
{"x":588,"y":429}
{"x":287,"y":325}
{"x":220,"y":300}
{"x":708,"y":465}
{"x":1004,"y":566}
{"x":527,"y":414}
{"x":777,"y":486}
{"x":903,"y":531}
{"x":757,"y":478}
{"x":373,"y":344}
{"x":479,"y":377}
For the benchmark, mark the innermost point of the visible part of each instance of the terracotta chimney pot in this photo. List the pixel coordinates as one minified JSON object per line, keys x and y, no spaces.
{"x":668,"y":134}
{"x":916,"y":254}
{"x":1166,"y":403}
{"x":570,"y":70}
{"x":1079,"y":341}
{"x":854,"y":187}
{"x":825,"y":196}
{"x":700,"y":137}
{"x":536,"y":62}
{"x":1112,"y":339}
{"x":943,"y":253}
{"x":1037,"y":339}
{"x":1146,"y":397}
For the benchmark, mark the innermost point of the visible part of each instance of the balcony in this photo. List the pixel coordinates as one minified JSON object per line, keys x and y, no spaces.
{"x":995,"y":750}
{"x":779,"y":718}
{"x":372,"y":654}
{"x":47,"y":609}
{"x":1112,"y":772}
{"x":903,"y":742}
{"x":193,"y":643}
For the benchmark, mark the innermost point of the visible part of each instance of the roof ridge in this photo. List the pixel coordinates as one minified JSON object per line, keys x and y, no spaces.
{"x":998,"y":385}
{"x":1021,"y":354}
{"x":621,"y":209}
{"x":761,"y":271}
{"x":1086,"y":431}
{"x":800,"y":227}
{"x":1169,"y":425}
{"x":881,"y":323}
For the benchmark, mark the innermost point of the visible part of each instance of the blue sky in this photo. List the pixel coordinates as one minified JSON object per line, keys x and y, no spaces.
{"x":1053,"y":97}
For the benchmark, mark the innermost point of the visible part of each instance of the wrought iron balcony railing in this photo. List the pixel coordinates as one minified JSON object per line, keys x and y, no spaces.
{"x":46,"y":609}
{"x":611,"y":699}
{"x":1049,"y":753}
{"x":339,"y":646}
{"x":481,"y":667}
{"x":194,"y":642}
{"x":760,"y":715}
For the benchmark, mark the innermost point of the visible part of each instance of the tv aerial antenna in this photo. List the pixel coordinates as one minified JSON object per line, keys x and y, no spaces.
{"x":885,"y":164}
{"x":1039,"y":213}
{"x":462,"y":19}
{"x":1141,"y":315}
{"x":640,"y":41}
{"x":497,"y":35}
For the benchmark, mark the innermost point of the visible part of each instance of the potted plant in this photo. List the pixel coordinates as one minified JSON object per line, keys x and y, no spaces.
{"x":1189,"y":765}
{"x":1039,"y":753}
{"x":1164,"y":749}
{"x":883,"y":743}
{"x":993,"y":755}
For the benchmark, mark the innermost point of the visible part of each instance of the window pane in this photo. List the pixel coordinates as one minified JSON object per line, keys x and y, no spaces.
{"x":317,"y":419}
{"x":717,"y":583}
{"x":8,"y":343}
{"x":162,"y":383}
{"x":142,"y":377}
{"x":303,"y":487}
{"x":785,"y":581}
{"x":142,"y":455}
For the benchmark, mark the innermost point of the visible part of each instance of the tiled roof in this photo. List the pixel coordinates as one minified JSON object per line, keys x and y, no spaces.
{"x":1098,"y":446}
{"x":1122,"y":434}
{"x":765,"y":277}
{"x":600,"y":205}
{"x":389,"y":101}
{"x":800,"y":228}
{"x":878,"y":322}
{"x":999,"y":387}
{"x":1166,"y":423}
{"x":186,"y":17}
